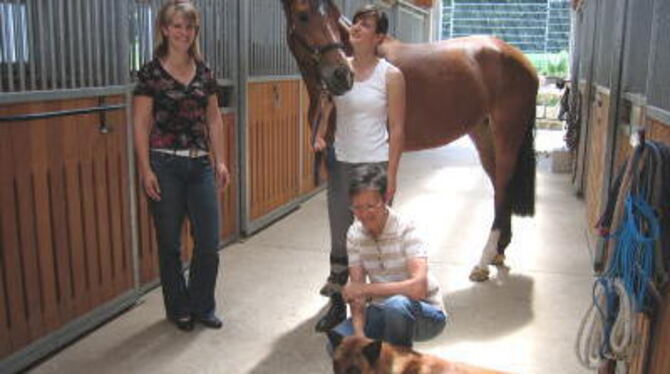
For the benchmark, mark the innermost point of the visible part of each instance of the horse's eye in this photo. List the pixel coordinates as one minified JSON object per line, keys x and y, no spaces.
{"x":303,"y":17}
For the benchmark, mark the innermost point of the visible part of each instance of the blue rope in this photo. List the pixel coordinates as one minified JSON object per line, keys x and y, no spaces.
{"x":633,"y":257}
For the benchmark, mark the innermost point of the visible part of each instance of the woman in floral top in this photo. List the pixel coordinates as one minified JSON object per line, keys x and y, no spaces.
{"x":179,"y":145}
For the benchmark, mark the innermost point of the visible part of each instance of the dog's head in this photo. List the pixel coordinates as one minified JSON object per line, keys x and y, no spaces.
{"x":354,"y":354}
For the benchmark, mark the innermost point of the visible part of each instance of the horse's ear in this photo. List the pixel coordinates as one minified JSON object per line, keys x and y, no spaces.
{"x":372,"y":352}
{"x":335,"y":338}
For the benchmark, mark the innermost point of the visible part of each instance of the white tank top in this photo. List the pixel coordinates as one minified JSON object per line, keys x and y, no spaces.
{"x":362,"y":115}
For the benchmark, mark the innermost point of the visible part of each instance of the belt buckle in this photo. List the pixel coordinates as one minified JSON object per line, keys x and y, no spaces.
{"x":192,"y":152}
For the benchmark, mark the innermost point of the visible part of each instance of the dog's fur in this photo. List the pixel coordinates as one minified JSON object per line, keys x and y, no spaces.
{"x":360,"y":355}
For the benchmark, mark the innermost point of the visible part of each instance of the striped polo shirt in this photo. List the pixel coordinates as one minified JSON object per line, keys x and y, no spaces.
{"x":385,"y":259}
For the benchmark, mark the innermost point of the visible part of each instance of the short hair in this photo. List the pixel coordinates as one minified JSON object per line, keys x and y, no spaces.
{"x":380,"y":17}
{"x":367,"y":177}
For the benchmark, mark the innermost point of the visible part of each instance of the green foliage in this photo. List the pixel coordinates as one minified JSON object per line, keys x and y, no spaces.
{"x":548,"y":99}
{"x":550,"y":64}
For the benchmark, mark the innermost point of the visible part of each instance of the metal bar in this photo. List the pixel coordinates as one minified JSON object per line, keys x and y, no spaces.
{"x":71,"y":40}
{"x":243,"y":74}
{"x":89,"y":44}
{"x":115,"y":63}
{"x":52,"y":46}
{"x":19,"y":27}
{"x":61,"y":34}
{"x":61,"y":113}
{"x":3,"y":59}
{"x":8,"y":52}
{"x":105,"y":62}
{"x":20,"y":360}
{"x":98,"y":44}
{"x":80,"y":46}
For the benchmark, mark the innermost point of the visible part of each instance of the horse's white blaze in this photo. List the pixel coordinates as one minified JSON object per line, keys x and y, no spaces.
{"x":490,"y":250}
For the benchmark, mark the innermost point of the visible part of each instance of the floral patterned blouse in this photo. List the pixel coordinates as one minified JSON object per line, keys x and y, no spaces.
{"x":179,"y":111}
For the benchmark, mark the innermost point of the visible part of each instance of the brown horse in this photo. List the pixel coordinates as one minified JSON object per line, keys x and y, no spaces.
{"x":479,"y":86}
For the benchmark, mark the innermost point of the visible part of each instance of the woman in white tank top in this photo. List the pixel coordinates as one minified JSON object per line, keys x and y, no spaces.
{"x":369,"y":129}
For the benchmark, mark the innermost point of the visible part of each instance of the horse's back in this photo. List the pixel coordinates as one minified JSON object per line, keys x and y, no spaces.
{"x":453,"y":84}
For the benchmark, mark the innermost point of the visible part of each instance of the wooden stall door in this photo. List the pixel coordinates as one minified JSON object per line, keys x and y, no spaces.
{"x":64,"y":224}
{"x":596,"y":155}
{"x":273,"y":146}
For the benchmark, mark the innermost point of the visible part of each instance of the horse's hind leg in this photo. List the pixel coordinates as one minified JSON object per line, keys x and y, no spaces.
{"x":482,"y":138}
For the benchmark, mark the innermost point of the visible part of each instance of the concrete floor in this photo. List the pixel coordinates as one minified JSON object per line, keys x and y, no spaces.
{"x":523,"y":320}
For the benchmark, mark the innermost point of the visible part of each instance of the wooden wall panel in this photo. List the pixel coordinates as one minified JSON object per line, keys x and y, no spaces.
{"x":597,"y":148}
{"x":64,"y":227}
{"x":228,"y":197}
{"x":273,"y":146}
{"x":659,"y":358}
{"x":658,"y":131}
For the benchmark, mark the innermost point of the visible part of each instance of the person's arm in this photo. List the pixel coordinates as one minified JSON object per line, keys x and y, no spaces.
{"x":325,"y":108}
{"x":356,"y":278}
{"x":215,"y":124}
{"x":142,"y":123}
{"x":395,"y":84}
{"x":415,"y":287}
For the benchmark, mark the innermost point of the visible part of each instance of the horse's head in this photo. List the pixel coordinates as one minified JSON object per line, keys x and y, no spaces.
{"x":314,"y":36}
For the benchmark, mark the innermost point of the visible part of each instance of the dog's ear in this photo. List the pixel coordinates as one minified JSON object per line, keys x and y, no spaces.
{"x":372,"y":352}
{"x":335,"y":338}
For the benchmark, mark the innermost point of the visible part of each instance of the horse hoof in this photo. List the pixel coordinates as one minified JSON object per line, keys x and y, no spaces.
{"x":498,"y":260}
{"x":479,"y":274}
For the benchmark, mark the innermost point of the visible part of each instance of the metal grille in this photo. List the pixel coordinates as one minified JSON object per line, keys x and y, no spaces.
{"x":587,"y":28}
{"x":659,"y":73}
{"x":268,"y":53}
{"x":218,"y":34}
{"x":636,"y":53}
{"x":411,"y":23}
{"x":59,"y":44}
{"x":349,"y":7}
{"x":558,"y":26}
{"x":523,"y":25}
{"x":605,"y":46}
{"x":531,"y":25}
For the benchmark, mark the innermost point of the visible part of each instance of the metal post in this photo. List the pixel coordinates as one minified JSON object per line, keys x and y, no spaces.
{"x":243,"y":75}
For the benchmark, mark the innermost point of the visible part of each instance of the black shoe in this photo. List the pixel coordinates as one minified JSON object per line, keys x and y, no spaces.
{"x":213,"y":322}
{"x":335,"y":315}
{"x":184,"y":323}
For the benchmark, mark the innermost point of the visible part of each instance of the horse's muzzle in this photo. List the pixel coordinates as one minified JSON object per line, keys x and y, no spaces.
{"x":338,"y":80}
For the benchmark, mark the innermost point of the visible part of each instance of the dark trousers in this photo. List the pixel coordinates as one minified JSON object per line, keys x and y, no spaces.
{"x":188,"y":188}
{"x":339,"y":215}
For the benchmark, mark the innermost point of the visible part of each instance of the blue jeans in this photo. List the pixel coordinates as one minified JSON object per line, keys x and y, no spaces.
{"x":188,"y":187}
{"x":400,"y":321}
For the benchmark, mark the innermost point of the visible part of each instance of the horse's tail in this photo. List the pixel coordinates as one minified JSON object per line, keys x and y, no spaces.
{"x":521,"y":188}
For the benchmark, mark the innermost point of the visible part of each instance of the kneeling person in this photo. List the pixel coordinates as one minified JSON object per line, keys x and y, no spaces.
{"x":401,"y":303}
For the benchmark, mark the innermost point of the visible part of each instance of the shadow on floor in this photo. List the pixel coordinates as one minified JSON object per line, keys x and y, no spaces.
{"x":301,"y":347}
{"x":488,"y":310}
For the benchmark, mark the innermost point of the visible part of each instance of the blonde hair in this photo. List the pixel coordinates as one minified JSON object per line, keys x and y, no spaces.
{"x":165,"y":15}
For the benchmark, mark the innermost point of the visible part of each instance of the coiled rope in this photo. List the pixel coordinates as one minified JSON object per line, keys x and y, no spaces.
{"x":605,"y":331}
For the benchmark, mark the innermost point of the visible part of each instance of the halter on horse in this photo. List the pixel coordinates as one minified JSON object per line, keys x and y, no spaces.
{"x":479,"y":86}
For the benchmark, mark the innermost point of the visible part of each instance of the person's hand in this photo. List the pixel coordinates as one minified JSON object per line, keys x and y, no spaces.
{"x":353,"y":291}
{"x":222,"y":174}
{"x":319,"y":144}
{"x":390,"y":190}
{"x":151,"y":186}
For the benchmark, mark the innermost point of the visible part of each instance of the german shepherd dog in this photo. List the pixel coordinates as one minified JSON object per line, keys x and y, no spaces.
{"x":360,"y":355}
